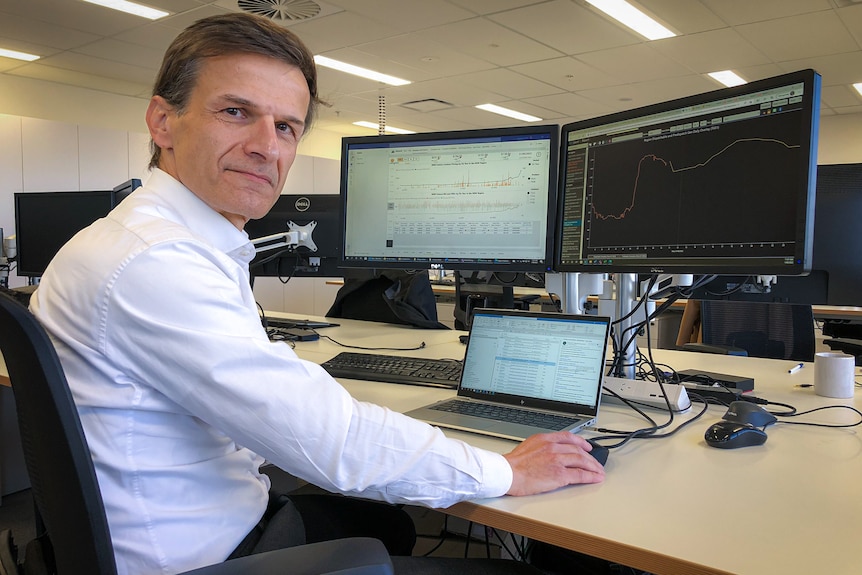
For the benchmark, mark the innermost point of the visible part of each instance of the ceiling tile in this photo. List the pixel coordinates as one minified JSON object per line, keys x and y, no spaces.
{"x":492,"y":6}
{"x":736,"y":12}
{"x":572,"y":105}
{"x":507,"y":83}
{"x":840,"y":96}
{"x":684,"y":16}
{"x":852,"y":19}
{"x":634,"y":63}
{"x":80,"y":79}
{"x":13,"y":27}
{"x":816,"y":34}
{"x":406,"y":16}
{"x":711,"y":51}
{"x":341,"y":30}
{"x":835,"y":69}
{"x":567,"y":73}
{"x":489,"y":41}
{"x":566,"y":26}
{"x":99,"y":67}
{"x":414,"y":52}
{"x":644,"y":93}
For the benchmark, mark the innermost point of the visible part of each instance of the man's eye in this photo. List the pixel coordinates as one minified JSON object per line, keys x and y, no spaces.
{"x":233,"y":111}
{"x":282,"y":126}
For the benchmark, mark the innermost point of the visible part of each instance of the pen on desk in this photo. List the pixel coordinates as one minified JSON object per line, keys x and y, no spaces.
{"x":796,"y":368}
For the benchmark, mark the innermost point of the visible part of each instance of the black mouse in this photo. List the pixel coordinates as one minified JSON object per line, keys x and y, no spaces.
{"x":733,"y":434}
{"x":599,"y":452}
{"x":746,"y":412}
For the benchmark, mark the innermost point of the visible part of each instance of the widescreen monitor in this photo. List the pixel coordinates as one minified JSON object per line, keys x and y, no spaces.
{"x":836,"y":270}
{"x":717,"y":183}
{"x":474,"y":199}
{"x":299,"y":210}
{"x":44,"y":221}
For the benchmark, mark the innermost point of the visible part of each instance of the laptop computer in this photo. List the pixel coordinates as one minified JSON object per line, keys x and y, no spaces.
{"x":545,"y":367}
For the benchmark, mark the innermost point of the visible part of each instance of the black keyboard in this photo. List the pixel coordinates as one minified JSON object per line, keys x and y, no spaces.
{"x":395,"y":369}
{"x":507,"y":414}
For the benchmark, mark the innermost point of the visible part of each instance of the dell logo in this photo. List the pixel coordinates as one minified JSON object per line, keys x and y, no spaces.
{"x":302,"y":204}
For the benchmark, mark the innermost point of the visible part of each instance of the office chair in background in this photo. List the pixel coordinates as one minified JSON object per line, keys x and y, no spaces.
{"x":72,"y":530}
{"x":771,"y":330}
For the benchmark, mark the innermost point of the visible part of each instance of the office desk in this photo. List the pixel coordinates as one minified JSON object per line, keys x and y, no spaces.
{"x":675,"y":506}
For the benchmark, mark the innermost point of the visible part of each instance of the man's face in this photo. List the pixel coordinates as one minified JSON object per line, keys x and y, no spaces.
{"x":235,"y":142}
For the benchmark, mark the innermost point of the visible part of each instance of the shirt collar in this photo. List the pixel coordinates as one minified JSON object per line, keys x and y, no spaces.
{"x":199,"y":217}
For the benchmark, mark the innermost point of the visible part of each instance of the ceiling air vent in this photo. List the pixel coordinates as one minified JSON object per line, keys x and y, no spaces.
{"x":281,"y":10}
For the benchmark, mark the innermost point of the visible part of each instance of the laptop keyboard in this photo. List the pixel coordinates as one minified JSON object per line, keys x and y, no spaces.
{"x":395,"y":369}
{"x":507,"y":414}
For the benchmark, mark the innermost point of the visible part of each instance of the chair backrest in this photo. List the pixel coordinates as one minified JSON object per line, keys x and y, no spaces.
{"x":773,"y":330}
{"x":63,"y":479}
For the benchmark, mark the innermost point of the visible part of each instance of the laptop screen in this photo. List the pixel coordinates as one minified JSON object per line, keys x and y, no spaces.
{"x":535,"y":359}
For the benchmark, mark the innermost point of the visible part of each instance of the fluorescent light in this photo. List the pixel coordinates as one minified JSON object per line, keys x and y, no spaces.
{"x":357,"y":71}
{"x":131,"y":8}
{"x":633,"y":18}
{"x":374,"y":126}
{"x":18,"y":55}
{"x":508,"y":113}
{"x":728,"y":78}
{"x":858,"y":86}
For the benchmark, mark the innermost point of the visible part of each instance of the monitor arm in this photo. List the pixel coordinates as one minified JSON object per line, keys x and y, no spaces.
{"x":294,"y":237}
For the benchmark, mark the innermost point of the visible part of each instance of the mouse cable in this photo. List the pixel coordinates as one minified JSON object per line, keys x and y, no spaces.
{"x":648,"y":433}
{"x":824,"y":407}
{"x":420,"y":346}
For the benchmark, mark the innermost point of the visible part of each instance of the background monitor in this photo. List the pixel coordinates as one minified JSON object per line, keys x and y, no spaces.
{"x":325,"y":210}
{"x":473,"y":199}
{"x":716,"y":183}
{"x":836,"y":274}
{"x":44,"y":221}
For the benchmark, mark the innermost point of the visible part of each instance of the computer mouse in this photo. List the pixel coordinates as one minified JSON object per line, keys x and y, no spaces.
{"x":599,"y":452}
{"x":733,"y":434}
{"x":746,"y":412}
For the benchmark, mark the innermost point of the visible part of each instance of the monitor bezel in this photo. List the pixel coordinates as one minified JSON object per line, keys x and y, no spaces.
{"x":424,"y":138}
{"x":719,"y":265}
{"x":26,"y":270}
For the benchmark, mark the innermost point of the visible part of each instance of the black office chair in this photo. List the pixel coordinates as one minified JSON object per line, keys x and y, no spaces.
{"x":771,"y":330}
{"x":72,"y":530}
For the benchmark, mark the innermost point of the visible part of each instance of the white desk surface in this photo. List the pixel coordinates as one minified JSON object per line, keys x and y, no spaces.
{"x":674,"y":505}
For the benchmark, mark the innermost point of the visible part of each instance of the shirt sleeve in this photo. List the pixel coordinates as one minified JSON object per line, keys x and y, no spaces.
{"x":181,"y":321}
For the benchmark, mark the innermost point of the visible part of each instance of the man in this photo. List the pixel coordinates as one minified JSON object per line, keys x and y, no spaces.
{"x":181,"y":394}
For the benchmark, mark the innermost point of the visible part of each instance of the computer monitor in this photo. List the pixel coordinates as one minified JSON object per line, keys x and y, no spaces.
{"x":474,"y":199}
{"x":716,"y":183}
{"x":44,"y":221}
{"x":298,"y":211}
{"x":836,"y":270}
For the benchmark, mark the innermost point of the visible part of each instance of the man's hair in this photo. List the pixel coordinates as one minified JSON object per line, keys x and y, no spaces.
{"x":222,"y":35}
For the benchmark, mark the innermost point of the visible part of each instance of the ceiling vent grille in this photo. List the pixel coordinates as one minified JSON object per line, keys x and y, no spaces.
{"x":281,"y":10}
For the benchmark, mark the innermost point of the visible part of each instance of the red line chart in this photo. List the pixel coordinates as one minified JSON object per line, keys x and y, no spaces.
{"x":652,"y":157}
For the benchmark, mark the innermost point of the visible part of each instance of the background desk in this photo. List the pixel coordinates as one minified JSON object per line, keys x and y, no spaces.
{"x":676,"y":506}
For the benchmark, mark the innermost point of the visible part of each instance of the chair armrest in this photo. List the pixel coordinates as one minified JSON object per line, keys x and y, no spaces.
{"x":352,"y":556}
{"x":713,"y":348}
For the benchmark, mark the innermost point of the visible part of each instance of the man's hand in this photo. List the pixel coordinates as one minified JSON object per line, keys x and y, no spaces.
{"x":548,"y":461}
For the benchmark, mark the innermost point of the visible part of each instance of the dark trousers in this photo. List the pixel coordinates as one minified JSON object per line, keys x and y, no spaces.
{"x":296,"y":519}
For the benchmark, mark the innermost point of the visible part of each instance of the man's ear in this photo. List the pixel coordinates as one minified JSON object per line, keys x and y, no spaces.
{"x":158,"y":117}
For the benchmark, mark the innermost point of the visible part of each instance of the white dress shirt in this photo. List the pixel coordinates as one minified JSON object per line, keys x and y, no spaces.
{"x":182,"y":396}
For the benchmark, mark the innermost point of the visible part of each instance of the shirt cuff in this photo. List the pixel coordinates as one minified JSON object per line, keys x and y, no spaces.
{"x":497,"y":473}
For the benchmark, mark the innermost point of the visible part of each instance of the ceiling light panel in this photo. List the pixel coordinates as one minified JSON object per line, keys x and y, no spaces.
{"x":632,"y":17}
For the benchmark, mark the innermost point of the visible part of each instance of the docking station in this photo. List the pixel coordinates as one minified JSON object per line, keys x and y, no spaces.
{"x":646,"y":393}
